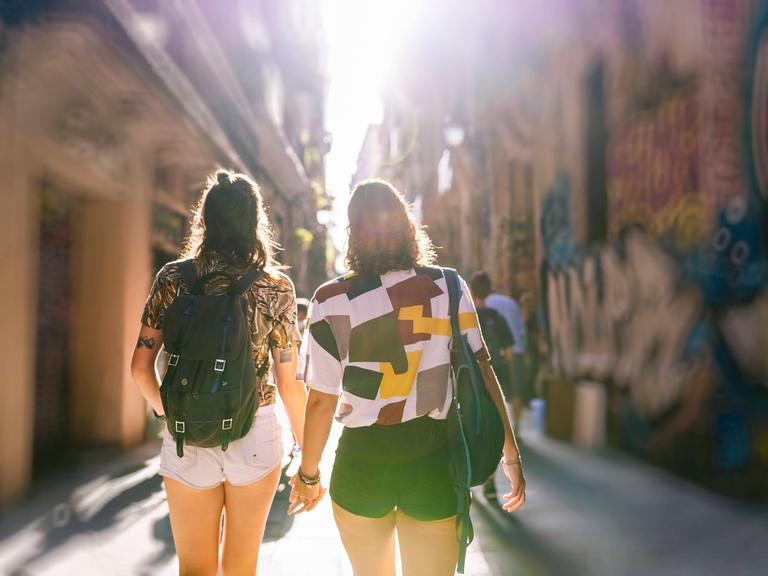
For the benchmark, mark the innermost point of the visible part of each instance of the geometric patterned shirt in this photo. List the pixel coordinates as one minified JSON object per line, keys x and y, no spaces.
{"x":271,"y":309}
{"x":381,"y":342}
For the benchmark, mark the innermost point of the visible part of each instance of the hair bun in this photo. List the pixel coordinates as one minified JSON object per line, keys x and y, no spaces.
{"x":223,"y":177}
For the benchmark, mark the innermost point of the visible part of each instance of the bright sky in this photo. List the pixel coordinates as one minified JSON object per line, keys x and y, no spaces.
{"x":362,"y":36}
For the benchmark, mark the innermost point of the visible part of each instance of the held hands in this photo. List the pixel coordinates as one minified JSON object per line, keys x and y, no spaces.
{"x":304,"y":498}
{"x":516,"y":497}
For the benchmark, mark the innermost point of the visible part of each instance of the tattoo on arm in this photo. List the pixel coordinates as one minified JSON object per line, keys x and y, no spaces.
{"x":146,"y":342}
{"x":286,"y":355}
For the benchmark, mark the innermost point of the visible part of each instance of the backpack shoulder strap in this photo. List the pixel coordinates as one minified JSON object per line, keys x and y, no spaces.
{"x":464,"y":528}
{"x":454,"y":296}
{"x":245,"y":281}
{"x":188,"y":274}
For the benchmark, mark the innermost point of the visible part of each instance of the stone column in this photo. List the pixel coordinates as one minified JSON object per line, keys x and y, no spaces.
{"x":137,"y":250}
{"x":18,"y":295}
{"x":112,"y":282}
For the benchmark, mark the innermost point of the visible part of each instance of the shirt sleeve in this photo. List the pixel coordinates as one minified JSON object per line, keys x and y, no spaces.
{"x":161,"y":295}
{"x":285,"y":332}
{"x":322,"y":359}
{"x":469,"y":325}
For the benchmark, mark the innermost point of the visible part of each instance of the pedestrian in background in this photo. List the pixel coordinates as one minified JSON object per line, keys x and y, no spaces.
{"x":230,"y":241}
{"x":379,"y":340}
{"x":498,"y":339}
{"x":533,"y":348}
{"x":302,"y":312}
{"x":510,"y":311}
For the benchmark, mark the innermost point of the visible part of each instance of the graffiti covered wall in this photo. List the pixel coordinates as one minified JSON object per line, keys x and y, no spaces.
{"x":653,"y":171}
{"x":670,"y":312}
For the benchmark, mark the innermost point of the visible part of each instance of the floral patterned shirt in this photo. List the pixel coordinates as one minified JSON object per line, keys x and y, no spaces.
{"x":271,"y":309}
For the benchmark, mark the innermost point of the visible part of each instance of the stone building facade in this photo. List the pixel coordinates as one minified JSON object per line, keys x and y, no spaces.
{"x":111,"y":115}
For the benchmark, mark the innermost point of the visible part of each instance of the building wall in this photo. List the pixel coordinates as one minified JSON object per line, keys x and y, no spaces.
{"x":18,"y":257}
{"x":657,"y":309}
{"x":612,"y":169}
{"x":82,"y":117}
{"x":116,"y":132}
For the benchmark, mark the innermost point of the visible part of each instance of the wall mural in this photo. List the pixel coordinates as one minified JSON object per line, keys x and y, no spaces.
{"x":671,"y":313}
{"x":653,"y":171}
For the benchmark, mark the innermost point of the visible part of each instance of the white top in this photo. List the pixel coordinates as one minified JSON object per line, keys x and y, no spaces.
{"x":381,"y":343}
{"x":510,"y":311}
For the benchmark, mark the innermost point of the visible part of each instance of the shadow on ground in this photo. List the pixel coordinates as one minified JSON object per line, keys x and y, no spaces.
{"x":532,"y":554}
{"x":60,"y":527}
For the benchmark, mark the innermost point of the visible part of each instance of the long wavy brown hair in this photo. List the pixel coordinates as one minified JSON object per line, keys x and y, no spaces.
{"x":383,"y":233}
{"x":231,"y":222}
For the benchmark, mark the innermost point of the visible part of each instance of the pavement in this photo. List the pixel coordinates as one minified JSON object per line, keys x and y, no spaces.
{"x":588,"y":513}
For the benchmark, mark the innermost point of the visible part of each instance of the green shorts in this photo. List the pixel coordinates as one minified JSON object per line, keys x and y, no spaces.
{"x":378,"y":468}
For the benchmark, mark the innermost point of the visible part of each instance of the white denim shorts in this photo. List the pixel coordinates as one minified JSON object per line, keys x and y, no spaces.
{"x":245,"y":460}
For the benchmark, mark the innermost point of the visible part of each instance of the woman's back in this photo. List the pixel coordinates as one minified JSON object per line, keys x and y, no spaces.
{"x":381,"y":341}
{"x":380,"y":338}
{"x":238,"y":465}
{"x":271,"y":307}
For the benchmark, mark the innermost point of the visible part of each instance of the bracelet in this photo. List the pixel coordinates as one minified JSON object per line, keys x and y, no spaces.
{"x":511,"y":462}
{"x":308,"y":480}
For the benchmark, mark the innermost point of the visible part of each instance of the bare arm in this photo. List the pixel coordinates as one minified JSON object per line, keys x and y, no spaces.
{"x":514,"y":472}
{"x":321,"y":408}
{"x":143,"y":366}
{"x":292,"y":392}
{"x":492,"y":385}
{"x":317,"y":426}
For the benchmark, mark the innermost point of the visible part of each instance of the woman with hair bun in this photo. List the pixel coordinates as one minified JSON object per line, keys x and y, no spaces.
{"x":230,"y":242}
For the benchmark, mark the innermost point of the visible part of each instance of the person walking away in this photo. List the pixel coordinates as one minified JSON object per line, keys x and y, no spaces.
{"x":498,"y":339}
{"x":302,"y":312}
{"x":533,"y":346}
{"x":510,"y":311}
{"x":229,"y":252}
{"x":379,"y":341}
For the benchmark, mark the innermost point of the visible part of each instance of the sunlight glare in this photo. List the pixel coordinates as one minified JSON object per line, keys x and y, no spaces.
{"x":363,"y":41}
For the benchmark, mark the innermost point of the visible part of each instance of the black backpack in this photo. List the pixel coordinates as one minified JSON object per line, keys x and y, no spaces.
{"x":475,"y":429}
{"x":209,"y":391}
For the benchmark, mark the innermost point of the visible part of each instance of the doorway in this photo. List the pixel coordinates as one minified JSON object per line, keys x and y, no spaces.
{"x":54,"y":323}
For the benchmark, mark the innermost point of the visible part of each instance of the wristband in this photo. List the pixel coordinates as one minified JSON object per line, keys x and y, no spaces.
{"x":308,"y":480}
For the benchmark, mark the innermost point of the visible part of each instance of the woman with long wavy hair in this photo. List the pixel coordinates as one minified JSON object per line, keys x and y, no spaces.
{"x":379,"y":340}
{"x":230,"y":238}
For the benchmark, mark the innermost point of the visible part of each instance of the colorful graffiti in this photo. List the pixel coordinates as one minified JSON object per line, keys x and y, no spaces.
{"x":756,"y":116}
{"x":725,"y":30}
{"x":556,"y":226}
{"x":653,"y":171}
{"x":520,"y":240}
{"x":673,"y":335}
{"x":671,"y":313}
{"x":625,"y":316}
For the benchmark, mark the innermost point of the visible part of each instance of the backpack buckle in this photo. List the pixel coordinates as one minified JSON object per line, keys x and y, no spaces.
{"x":180,"y":427}
{"x":226,"y":424}
{"x":218,"y":366}
{"x":173,"y":360}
